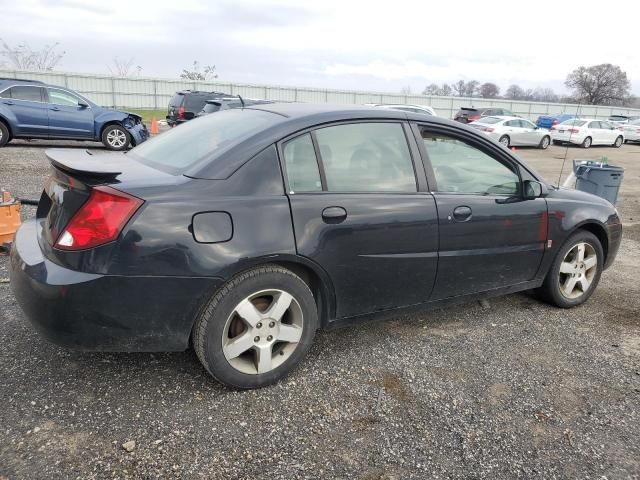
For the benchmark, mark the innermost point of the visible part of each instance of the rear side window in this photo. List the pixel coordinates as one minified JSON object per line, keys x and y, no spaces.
{"x":194,"y":103}
{"x":27,"y":93}
{"x":366,"y":157}
{"x":176,"y":100}
{"x":302,"y":165}
{"x":490,"y":120}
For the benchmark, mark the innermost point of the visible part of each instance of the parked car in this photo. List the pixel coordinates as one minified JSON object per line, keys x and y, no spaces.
{"x":424,"y":109}
{"x":245,"y":231}
{"x":632,"y":131}
{"x":186,"y":104}
{"x":31,"y":109}
{"x":586,"y":132}
{"x":471,"y":114}
{"x":513,"y":131}
{"x":622,"y":119}
{"x":548,"y":121}
{"x":225,"y":103}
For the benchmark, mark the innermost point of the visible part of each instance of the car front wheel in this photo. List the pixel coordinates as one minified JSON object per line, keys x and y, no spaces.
{"x":575,"y":272}
{"x":544,"y":143}
{"x":256,"y":328}
{"x":618,"y":143}
{"x":116,"y":137}
{"x":4,"y":134}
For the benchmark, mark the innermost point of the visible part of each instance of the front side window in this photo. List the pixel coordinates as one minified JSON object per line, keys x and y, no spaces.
{"x":462,"y":168}
{"x":366,"y":157}
{"x":594,"y":125}
{"x":301,"y":165}
{"x":29,"y":94}
{"x":60,"y":97}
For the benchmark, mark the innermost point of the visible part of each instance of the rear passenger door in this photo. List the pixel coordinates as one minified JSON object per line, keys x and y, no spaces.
{"x":26,"y":103}
{"x":362,"y":211}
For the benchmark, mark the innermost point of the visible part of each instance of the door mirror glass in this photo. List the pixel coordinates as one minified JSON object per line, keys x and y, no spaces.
{"x":532,"y":189}
{"x":82,"y":104}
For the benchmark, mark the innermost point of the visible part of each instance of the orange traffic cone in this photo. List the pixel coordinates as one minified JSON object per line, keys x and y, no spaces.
{"x":154,"y":126}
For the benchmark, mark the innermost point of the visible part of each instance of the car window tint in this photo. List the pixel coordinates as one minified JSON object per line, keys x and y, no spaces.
{"x":511,"y":123}
{"x":490,"y":120}
{"x":527,"y":124}
{"x":594,"y":125}
{"x":60,"y":97}
{"x":606,"y":125}
{"x":194,"y":103}
{"x":176,"y":100}
{"x":507,"y":113}
{"x":366,"y":157}
{"x":462,"y":168}
{"x":302,"y":165}
{"x":30,"y":94}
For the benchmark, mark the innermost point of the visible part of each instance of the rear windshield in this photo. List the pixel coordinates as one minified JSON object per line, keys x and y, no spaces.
{"x":194,"y":103}
{"x":176,"y":100}
{"x":574,"y":123}
{"x":466,"y":109}
{"x":490,"y":120}
{"x":176,"y":150}
{"x":211,"y":107}
{"x":617,"y":118}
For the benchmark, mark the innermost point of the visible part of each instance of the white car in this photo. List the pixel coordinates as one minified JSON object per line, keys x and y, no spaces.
{"x":586,"y":132}
{"x":513,"y":131}
{"x":425,"y":109}
{"x":632,"y":131}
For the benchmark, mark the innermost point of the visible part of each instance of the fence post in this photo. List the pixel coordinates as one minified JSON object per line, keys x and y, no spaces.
{"x":155,"y":94}
{"x":113,"y":92}
{"x":66,"y":81}
{"x":355,"y":97}
{"x":295,"y":94}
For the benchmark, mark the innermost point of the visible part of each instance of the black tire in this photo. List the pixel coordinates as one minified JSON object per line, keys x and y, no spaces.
{"x":556,"y":142}
{"x":586,"y":143}
{"x":545,"y":142}
{"x":618,"y":143}
{"x":209,"y":329}
{"x":502,"y":140}
{"x":4,"y":134}
{"x":116,"y":132}
{"x":550,"y":290}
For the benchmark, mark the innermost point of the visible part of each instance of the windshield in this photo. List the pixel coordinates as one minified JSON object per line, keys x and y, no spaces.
{"x":179,"y":148}
{"x":574,"y":123}
{"x":490,"y":120}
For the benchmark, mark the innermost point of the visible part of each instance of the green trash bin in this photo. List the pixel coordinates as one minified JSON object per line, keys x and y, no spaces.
{"x":599,"y":178}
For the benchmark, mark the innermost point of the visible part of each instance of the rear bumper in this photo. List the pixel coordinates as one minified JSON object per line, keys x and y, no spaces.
{"x":88,"y":311}
{"x":565,"y":137}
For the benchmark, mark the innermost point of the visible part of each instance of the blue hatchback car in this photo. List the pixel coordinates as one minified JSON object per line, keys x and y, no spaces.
{"x":548,"y":121}
{"x":31,"y":109}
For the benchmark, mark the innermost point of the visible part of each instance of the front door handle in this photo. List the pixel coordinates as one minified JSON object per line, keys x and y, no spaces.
{"x":6,"y":102}
{"x":462,"y":214}
{"x":55,"y":109}
{"x":334,"y":214}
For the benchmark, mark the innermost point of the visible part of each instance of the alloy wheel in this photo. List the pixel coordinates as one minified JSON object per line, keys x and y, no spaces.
{"x":545,"y":142}
{"x":116,"y":138}
{"x":505,"y":141}
{"x":262,"y":332}
{"x":578,"y":270}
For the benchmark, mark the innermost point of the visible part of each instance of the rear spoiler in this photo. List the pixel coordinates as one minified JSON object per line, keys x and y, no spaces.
{"x":85,"y":166}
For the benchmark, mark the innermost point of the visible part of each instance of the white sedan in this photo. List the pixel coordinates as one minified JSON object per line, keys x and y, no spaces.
{"x":586,"y":132}
{"x":513,"y":131}
{"x":632,"y":131}
{"x":424,"y":109}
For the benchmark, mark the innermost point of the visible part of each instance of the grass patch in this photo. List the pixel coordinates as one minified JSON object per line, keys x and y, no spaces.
{"x":147,"y":115}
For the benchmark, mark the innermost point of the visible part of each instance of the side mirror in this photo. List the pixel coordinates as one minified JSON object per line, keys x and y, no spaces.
{"x":533,"y":189}
{"x":82,"y":104}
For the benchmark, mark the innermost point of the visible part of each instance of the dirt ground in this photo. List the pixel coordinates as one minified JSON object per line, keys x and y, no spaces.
{"x":512,"y":388}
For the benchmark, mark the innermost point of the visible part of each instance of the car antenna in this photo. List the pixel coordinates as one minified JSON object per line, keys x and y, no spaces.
{"x":566,"y":150}
{"x":241,"y":101}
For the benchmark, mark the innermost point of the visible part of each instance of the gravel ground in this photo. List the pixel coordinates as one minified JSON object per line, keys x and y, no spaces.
{"x":510,"y":388}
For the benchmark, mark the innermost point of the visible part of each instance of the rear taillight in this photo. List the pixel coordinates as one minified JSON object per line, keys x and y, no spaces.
{"x":555,"y":121}
{"x":181,"y":112}
{"x":487,"y":129}
{"x":573,"y":130}
{"x":100,"y":220}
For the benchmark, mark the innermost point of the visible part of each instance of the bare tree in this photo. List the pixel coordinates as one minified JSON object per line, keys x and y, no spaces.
{"x":195,"y":73}
{"x":121,"y":67}
{"x":489,"y":90}
{"x":446,"y":90}
{"x":599,"y":84}
{"x":406,"y":90}
{"x":544,"y":95}
{"x":23,"y":57}
{"x":514,"y":92}
{"x":432,"y":89}
{"x":460,"y":87}
{"x":471,"y":88}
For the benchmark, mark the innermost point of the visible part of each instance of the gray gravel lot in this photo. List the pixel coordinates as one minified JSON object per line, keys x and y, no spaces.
{"x":509,"y":389}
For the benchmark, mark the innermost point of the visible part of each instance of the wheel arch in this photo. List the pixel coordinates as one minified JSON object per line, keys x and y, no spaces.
{"x":108,"y":124}
{"x":7,"y":124}
{"x":599,"y":231}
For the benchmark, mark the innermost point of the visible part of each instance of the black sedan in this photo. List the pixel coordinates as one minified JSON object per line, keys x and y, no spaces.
{"x":243,"y":232}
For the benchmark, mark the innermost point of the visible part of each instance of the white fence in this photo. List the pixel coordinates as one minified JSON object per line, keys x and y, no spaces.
{"x":154,"y":93}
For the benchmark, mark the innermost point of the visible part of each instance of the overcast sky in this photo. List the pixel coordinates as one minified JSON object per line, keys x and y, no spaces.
{"x":381,"y":46}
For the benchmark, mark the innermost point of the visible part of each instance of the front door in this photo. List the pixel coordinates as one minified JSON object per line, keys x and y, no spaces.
{"x":67,"y":118}
{"x":26,"y":103}
{"x":489,"y":236}
{"x":357,"y":212}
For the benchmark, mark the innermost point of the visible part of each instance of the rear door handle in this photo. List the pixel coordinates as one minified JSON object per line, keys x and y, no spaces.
{"x":7,"y":102}
{"x":55,"y":109}
{"x":462,"y":214}
{"x":334,"y":214}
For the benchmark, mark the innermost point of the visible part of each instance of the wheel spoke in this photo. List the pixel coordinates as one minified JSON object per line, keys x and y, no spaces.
{"x":264,"y":355}
{"x":279,"y":306}
{"x":238,"y":345}
{"x":567,"y":267}
{"x":584,"y":284}
{"x":289,"y":333}
{"x":590,"y":262}
{"x":569,"y":285}
{"x":248,"y":312}
{"x":581,"y":252}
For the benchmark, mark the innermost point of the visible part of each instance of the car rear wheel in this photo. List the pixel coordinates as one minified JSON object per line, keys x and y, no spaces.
{"x":504,"y":140}
{"x":4,"y":134}
{"x":256,"y":328}
{"x":116,"y":137}
{"x":544,"y":143}
{"x":586,"y":143}
{"x":618,"y":142}
{"x":575,"y":272}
